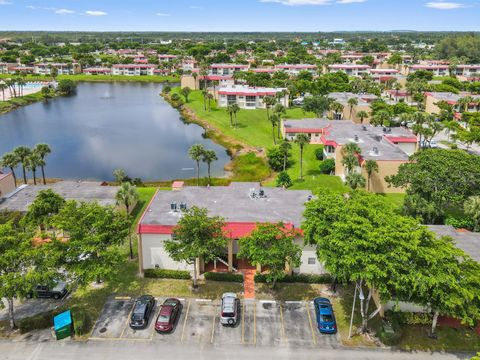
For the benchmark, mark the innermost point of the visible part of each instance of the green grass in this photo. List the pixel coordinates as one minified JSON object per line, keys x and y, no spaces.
{"x":395,"y":199}
{"x":100,"y":78}
{"x":12,"y":104}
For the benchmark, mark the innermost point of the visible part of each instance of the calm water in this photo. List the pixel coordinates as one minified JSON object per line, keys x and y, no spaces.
{"x":107,"y":126}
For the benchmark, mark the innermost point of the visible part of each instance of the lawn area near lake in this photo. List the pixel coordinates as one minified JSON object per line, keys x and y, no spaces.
{"x":104,"y":78}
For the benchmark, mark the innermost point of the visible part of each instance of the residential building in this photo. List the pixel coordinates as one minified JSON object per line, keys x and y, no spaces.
{"x":167,"y":57}
{"x":241,"y":205}
{"x":467,"y":72}
{"x":133,"y":69}
{"x":3,"y":68}
{"x":21,"y":69}
{"x":295,"y":69}
{"x":350,"y":69}
{"x":7,"y":184}
{"x":97,"y":71}
{"x":226,"y":69}
{"x":248,"y":97}
{"x":389,"y":147}
{"x":62,"y":68}
{"x":433,"y":98}
{"x":351,"y":113}
{"x":436,"y":69}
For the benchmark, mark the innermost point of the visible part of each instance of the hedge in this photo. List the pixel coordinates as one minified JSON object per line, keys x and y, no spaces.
{"x":298,"y":278}
{"x":227,"y":277}
{"x":167,"y":274}
{"x":82,"y":322}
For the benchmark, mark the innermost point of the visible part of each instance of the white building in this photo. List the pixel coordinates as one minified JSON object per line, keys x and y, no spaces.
{"x":350,"y":69}
{"x":295,"y":69}
{"x":46,"y":68}
{"x":241,"y":205}
{"x":226,"y":69}
{"x":133,"y":69}
{"x":248,"y":97}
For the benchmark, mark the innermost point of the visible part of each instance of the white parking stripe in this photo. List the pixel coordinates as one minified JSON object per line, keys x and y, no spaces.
{"x":203,"y":300}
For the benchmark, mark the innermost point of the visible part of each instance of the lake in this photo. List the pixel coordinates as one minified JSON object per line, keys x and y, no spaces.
{"x":107,"y":126}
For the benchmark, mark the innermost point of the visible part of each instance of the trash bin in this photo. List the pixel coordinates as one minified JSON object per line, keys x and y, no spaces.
{"x":62,"y":324}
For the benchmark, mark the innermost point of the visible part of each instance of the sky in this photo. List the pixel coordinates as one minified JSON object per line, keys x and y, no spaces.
{"x":240,"y":15}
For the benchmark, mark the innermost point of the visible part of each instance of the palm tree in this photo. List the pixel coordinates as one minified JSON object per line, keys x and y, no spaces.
{"x":285,"y":148}
{"x":196,"y":153}
{"x":230,"y":111}
{"x":205,"y":94}
{"x":464,"y":102}
{"x":269,"y":101}
{"x":128,"y":196}
{"x":302,"y":140}
{"x":351,"y":148}
{"x":195,"y":75}
{"x":362,"y":114}
{"x":185,"y":92}
{"x":3,"y":87}
{"x":210,"y":98}
{"x":337,"y":108}
{"x":279,"y":110}
{"x":350,"y":162}
{"x":33,"y":162}
{"x":355,"y":180}
{"x":352,"y":102}
{"x":10,"y":160}
{"x":22,"y":153}
{"x":274,"y":120}
{"x":382,"y":117}
{"x":472,"y":209}
{"x":43,"y":150}
{"x":209,"y":156}
{"x":235,"y":110}
{"x":371,"y":166}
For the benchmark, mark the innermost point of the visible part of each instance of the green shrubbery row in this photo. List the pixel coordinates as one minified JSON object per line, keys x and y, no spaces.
{"x":298,"y":278}
{"x":228,"y":277}
{"x":167,"y":274}
{"x":82,"y":321}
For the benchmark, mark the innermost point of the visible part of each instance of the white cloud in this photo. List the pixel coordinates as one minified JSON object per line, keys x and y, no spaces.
{"x":64,"y":11}
{"x":444,"y":5}
{"x":350,"y":1}
{"x":95,"y":13}
{"x":163,"y":14}
{"x":5,"y":2}
{"x":298,"y":2}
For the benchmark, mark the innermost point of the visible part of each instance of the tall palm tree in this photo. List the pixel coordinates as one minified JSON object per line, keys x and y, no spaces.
{"x":269,"y":101}
{"x":352,"y":102}
{"x":43,"y":150}
{"x":302,"y":140}
{"x":3,"y":87}
{"x":205,"y":94}
{"x":235,"y":109}
{"x":279,"y":110}
{"x":11,"y":161}
{"x":210,"y":98}
{"x":336,"y":107}
{"x":362,"y":114}
{"x":208,"y":157}
{"x":351,"y":148}
{"x":196,"y":153}
{"x":464,"y":102}
{"x":34,"y":161}
{"x":230,"y":111}
{"x":274,"y":120}
{"x":371,"y":166}
{"x":350,"y":162}
{"x":195,"y":75}
{"x":381,"y":117}
{"x":22,"y":153}
{"x":285,"y":148}
{"x":128,"y":196}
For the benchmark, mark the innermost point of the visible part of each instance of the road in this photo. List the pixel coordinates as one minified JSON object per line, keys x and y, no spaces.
{"x":123,"y":350}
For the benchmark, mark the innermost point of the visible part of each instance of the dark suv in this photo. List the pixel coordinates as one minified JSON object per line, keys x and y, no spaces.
{"x":57,"y":291}
{"x":142,"y":310}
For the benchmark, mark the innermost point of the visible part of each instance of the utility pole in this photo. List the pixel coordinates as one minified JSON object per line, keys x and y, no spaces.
{"x":353,"y":310}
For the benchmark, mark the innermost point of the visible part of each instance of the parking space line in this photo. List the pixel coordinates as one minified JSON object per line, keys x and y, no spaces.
{"x":185,"y":322}
{"x":127,"y":321}
{"x":254,"y":323}
{"x":243,"y":322}
{"x":284,"y":335}
{"x":154,"y":320}
{"x":311,"y":325}
{"x":213,"y":326}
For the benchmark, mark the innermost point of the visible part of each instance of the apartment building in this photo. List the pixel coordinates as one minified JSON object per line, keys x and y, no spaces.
{"x":351,"y":112}
{"x":295,"y":69}
{"x":97,"y":71}
{"x":350,"y":69}
{"x":62,"y":68}
{"x":432,"y":99}
{"x":249,"y":97}
{"x":389,"y":147}
{"x":133,"y":69}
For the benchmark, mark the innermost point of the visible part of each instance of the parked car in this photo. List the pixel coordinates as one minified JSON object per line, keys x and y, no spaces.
{"x":230,"y":306}
{"x":57,"y":291}
{"x":325,"y":317}
{"x":142,"y":310}
{"x":169,"y":314}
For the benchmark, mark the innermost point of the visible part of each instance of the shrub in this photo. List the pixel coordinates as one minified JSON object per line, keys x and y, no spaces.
{"x":167,"y":274}
{"x":38,"y":322}
{"x":298,"y":278}
{"x":66,"y":87}
{"x":327,"y":166}
{"x":283,"y":179}
{"x":319,"y":153}
{"x":167,"y":89}
{"x":460,"y":222}
{"x":227,"y":277}
{"x":82,"y":322}
{"x":275,"y":159}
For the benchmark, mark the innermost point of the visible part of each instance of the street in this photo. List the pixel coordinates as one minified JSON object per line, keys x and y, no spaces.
{"x":123,"y":350}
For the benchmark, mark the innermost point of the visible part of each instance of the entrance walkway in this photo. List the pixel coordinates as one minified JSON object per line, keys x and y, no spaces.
{"x":249,"y":283}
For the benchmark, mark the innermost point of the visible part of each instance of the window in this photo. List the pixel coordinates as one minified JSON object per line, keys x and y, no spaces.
{"x":251,"y":101}
{"x":231,"y":99}
{"x":312,"y":261}
{"x":337,"y":116}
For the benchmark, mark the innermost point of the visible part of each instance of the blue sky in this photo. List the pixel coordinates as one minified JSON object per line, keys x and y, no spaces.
{"x":239,"y":15}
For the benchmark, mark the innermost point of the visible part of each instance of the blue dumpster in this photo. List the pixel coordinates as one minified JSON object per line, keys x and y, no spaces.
{"x":63,"y":325}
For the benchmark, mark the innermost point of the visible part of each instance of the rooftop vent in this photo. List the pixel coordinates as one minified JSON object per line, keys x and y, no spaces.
{"x":261,"y":193}
{"x":364,"y":128}
{"x":183,"y":206}
{"x":310,"y":197}
{"x":173,"y":206}
{"x":356,"y":138}
{"x":374,"y":152}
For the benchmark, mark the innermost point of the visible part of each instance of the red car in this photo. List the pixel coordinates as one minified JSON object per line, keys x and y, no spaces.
{"x":169,"y":313}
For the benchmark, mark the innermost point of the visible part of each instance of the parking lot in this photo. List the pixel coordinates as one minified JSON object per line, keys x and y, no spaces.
{"x":261,"y":323}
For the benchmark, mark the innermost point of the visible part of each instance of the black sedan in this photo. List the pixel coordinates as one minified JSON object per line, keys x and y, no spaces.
{"x":142,"y":310}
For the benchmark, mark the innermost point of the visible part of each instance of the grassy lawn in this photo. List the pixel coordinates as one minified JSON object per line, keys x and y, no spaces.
{"x":84,"y":77}
{"x":396,"y":200}
{"x":9,"y":105}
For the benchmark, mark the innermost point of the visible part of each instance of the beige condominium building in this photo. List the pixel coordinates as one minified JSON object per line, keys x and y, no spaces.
{"x":247,"y":97}
{"x":7,"y":184}
{"x":433,"y":98}
{"x":351,"y":112}
{"x":389,"y":147}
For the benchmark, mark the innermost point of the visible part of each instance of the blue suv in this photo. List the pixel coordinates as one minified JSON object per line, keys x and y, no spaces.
{"x":325,"y":317}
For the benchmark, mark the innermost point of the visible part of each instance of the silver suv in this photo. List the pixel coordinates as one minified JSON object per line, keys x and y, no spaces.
{"x":230,"y":306}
